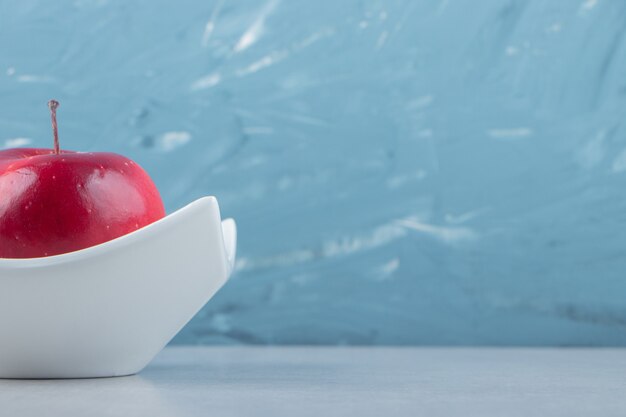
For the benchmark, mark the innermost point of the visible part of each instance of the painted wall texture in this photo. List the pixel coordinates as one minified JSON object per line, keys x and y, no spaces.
{"x":402,"y":171}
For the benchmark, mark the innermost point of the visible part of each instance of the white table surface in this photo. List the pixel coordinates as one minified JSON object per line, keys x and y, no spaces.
{"x":226,"y":381}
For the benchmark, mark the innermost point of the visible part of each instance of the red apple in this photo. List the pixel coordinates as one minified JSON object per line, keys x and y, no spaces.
{"x":54,"y":201}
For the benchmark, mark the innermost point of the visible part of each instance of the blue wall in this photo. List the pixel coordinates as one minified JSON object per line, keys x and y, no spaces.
{"x":403,"y":172}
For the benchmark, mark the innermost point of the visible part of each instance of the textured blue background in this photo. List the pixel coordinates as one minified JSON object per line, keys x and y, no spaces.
{"x":403,"y":172}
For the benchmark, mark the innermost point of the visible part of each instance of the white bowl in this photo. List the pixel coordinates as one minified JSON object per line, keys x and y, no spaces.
{"x":109,"y":309}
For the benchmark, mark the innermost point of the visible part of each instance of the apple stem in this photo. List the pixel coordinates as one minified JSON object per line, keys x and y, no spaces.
{"x":52,"y":105}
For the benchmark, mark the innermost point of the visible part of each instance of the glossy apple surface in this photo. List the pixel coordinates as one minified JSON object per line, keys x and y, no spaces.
{"x":53,"y":203}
